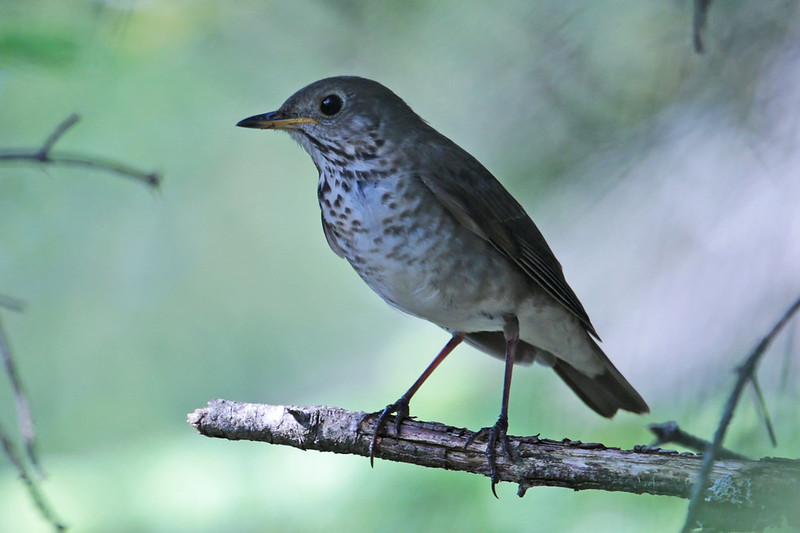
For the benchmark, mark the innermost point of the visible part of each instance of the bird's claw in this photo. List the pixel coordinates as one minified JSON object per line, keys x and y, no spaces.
{"x":400,"y":410}
{"x":498,"y":433}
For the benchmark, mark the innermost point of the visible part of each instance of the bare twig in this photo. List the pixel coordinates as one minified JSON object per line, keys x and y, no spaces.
{"x":44,"y":155}
{"x":746,"y":372}
{"x":699,"y":23}
{"x":762,"y":410}
{"x":33,"y":489}
{"x":788,"y":361}
{"x":24,"y":416}
{"x":671,"y":433}
{"x":60,"y":130}
{"x":739,"y":487}
{"x":11,"y":303}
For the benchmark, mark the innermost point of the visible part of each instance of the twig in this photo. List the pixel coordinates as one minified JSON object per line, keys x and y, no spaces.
{"x":671,"y":433}
{"x":699,"y":23}
{"x":746,"y":372}
{"x":11,"y":303}
{"x":24,"y":416}
{"x":45,"y":155}
{"x":740,"y":487}
{"x":60,"y":130}
{"x":763,"y":411}
{"x":33,"y":489}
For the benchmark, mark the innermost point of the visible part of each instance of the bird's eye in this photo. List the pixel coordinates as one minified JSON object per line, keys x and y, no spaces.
{"x":330,"y":105}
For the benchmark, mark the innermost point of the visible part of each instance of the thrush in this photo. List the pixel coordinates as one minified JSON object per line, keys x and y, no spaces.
{"x":432,"y":231}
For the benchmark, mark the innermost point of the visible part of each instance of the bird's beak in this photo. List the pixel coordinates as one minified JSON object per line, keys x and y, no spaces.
{"x":274,"y":120}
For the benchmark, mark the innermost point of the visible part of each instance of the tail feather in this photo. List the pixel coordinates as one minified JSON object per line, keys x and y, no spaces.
{"x":604,"y":393}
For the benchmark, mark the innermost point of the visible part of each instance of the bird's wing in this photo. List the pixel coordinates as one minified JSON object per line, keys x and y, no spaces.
{"x":478,"y":201}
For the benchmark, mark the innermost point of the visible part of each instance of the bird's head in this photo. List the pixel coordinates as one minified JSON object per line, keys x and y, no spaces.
{"x":342,"y":119}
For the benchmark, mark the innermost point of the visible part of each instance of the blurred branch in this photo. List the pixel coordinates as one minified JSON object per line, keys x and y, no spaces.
{"x":699,"y":23}
{"x":750,"y":494}
{"x":11,"y":303}
{"x":33,"y":488}
{"x":24,"y":416}
{"x":671,"y":433}
{"x":746,"y":375}
{"x":25,"y":422}
{"x":45,"y":155}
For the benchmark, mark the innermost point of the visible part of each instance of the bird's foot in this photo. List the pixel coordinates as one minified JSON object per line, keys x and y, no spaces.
{"x":401,"y":412}
{"x":498,"y":433}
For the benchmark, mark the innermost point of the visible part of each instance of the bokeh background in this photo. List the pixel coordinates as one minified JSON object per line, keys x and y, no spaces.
{"x":665,"y":181}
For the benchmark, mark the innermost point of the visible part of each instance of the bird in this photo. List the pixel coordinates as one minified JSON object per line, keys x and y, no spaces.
{"x":436,"y":235}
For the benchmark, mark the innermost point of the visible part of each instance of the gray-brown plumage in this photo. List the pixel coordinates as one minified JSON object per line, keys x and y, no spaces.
{"x":429,"y":229}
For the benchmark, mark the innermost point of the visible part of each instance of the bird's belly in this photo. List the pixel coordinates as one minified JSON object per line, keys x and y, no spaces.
{"x":416,"y":256}
{"x":455,"y":299}
{"x":470,"y":292}
{"x":434,"y":268}
{"x":422,"y":261}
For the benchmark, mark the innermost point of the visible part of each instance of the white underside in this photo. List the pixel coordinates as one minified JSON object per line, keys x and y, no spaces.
{"x":460,"y":296}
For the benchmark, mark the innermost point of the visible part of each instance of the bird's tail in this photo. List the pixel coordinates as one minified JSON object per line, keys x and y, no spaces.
{"x":606,"y":393}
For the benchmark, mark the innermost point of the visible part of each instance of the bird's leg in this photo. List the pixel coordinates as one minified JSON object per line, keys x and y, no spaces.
{"x":499,"y":432}
{"x":401,"y":406}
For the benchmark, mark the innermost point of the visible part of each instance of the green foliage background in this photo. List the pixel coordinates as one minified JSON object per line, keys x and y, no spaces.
{"x":143,"y":306}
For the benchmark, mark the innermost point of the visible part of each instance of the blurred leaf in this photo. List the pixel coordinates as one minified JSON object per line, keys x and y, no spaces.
{"x":50,"y":48}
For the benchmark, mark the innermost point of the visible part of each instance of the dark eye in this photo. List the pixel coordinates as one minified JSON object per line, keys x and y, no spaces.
{"x":330,"y":105}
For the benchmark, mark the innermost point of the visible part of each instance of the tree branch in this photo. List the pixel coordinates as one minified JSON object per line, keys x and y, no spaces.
{"x":25,"y":423}
{"x":699,"y":23}
{"x":755,"y":493}
{"x":671,"y":433}
{"x":11,"y":303}
{"x":24,"y":415}
{"x":33,"y":488}
{"x":44,"y":155}
{"x":746,"y":372}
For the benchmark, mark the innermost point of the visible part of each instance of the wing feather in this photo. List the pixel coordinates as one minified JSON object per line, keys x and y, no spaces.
{"x":478,"y":201}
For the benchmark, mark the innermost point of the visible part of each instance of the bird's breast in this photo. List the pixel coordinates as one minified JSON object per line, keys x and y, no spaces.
{"x":413,"y":253}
